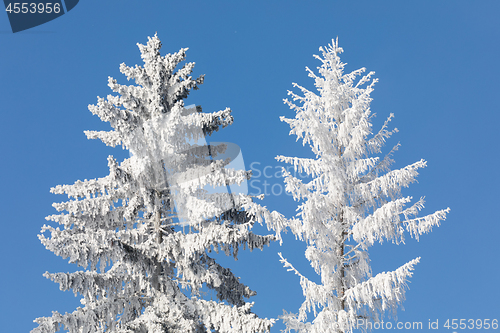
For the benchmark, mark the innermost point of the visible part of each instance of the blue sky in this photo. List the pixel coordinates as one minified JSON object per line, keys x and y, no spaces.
{"x":437,"y":62}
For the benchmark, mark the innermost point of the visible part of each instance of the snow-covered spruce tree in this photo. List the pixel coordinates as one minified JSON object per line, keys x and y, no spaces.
{"x":352,"y":201}
{"x":144,"y":232}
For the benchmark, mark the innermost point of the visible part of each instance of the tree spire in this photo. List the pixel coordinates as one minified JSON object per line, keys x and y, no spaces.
{"x":144,"y":233}
{"x":350,"y":200}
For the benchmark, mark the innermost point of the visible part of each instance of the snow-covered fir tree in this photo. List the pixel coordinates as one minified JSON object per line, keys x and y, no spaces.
{"x":144,"y":233}
{"x":350,"y":201}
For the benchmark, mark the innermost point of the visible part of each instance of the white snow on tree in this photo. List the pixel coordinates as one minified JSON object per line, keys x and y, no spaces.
{"x":350,"y":201}
{"x":143,"y":234}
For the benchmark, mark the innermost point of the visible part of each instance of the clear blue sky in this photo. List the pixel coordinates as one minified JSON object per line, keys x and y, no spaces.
{"x":438,"y":65}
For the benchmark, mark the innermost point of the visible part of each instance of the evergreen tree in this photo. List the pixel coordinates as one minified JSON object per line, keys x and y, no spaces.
{"x":144,"y":232}
{"x":351,"y":200}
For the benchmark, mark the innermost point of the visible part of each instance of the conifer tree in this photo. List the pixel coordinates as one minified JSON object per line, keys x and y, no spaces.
{"x":144,"y":233}
{"x":350,"y":201}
